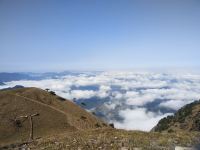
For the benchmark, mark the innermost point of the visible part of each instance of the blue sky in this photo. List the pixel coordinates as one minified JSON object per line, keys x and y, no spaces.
{"x":46,"y":35}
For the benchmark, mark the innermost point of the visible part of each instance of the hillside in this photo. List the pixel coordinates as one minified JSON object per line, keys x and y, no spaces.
{"x":185,"y":119}
{"x":60,"y":124}
{"x":56,"y":115}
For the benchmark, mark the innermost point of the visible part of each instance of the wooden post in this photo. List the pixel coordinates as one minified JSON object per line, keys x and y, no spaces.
{"x":31,"y":126}
{"x":30,"y":117}
{"x":31,"y":129}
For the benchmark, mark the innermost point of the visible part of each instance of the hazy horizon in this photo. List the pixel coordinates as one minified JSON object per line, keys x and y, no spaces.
{"x":136,"y":69}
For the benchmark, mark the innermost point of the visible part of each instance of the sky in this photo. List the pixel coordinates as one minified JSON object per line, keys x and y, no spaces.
{"x":47,"y":35}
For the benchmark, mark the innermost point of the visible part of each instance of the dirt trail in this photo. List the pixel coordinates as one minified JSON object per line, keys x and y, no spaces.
{"x":35,"y":101}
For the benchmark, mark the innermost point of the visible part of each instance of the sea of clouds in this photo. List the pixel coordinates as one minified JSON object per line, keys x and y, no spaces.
{"x":130,"y":100}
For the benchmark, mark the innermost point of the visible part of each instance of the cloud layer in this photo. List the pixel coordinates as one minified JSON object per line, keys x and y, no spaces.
{"x":138,"y":119}
{"x":140,"y":99}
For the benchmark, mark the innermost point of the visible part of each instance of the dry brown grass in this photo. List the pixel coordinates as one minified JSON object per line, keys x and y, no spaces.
{"x":56,"y":116}
{"x":115,"y":139}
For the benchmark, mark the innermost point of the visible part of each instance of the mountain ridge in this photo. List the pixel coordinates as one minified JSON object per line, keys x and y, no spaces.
{"x":186,"y":118}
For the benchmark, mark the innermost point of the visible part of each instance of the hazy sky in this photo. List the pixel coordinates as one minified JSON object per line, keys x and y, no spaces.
{"x":46,"y":35}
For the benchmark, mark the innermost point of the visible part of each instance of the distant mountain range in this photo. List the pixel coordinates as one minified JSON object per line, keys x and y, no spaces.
{"x":13,"y":88}
{"x":1,"y":83}
{"x":6,"y":77}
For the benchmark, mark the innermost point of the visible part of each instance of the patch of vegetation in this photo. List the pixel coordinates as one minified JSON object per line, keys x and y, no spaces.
{"x":170,"y":131}
{"x":97,"y":125}
{"x":112,"y":125}
{"x":164,"y":123}
{"x":197,"y":124}
{"x":184,"y":112}
{"x":52,"y":93}
{"x":83,"y":117}
{"x":47,"y":90}
{"x":105,"y":125}
{"x":183,"y":117}
{"x":18,"y":123}
{"x":83,"y":104}
{"x":94,"y":113}
{"x":61,"y":98}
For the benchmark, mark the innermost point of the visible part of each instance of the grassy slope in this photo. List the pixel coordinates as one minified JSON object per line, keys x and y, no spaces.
{"x":56,"y":115}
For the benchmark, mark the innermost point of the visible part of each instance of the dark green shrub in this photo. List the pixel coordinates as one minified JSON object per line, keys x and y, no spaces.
{"x":112,"y":125}
{"x":97,"y":125}
{"x":83,"y":117}
{"x":52,"y":93}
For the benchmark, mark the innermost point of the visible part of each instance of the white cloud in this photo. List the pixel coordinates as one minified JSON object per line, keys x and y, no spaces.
{"x":173,"y":104}
{"x":82,"y":94}
{"x":110,"y":106}
{"x":138,"y":119}
{"x":117,"y":95}
{"x":140,"y":100}
{"x":131,"y":94}
{"x":105,"y":88}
